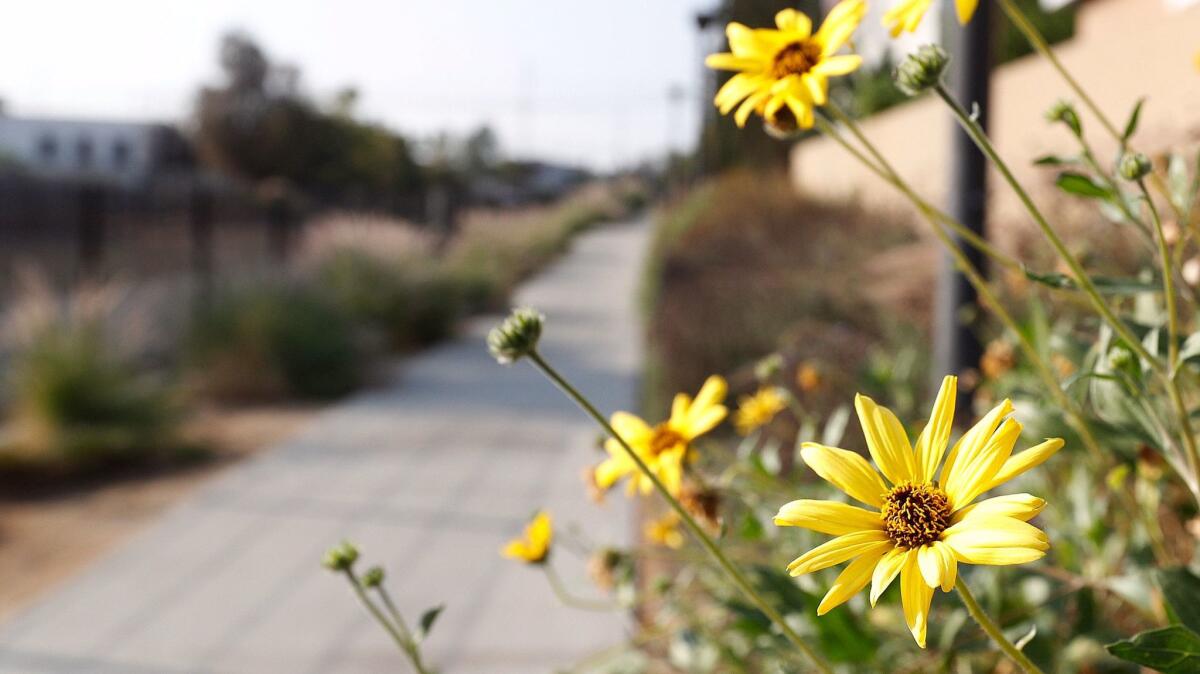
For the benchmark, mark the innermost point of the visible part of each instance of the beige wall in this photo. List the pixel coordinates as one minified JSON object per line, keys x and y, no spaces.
{"x":1123,"y":49}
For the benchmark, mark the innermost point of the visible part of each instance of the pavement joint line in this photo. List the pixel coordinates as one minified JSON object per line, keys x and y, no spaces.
{"x":240,"y":629}
{"x":400,"y":569}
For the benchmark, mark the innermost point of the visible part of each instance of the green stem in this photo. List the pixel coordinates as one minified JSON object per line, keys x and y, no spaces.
{"x":414,"y":651}
{"x":885,"y":172}
{"x":1039,"y":43}
{"x":571,"y":600}
{"x":697,"y":531}
{"x":992,"y":630}
{"x":975,"y":278}
{"x":405,"y":644}
{"x":1173,"y":389}
{"x":1081,"y":277}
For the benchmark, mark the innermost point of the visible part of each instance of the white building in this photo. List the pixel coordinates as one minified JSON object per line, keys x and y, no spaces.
{"x":121,"y":153}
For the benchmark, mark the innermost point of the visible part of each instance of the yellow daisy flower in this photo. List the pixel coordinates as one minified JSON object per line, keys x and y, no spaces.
{"x":920,"y":528}
{"x":664,"y":447}
{"x":787,"y":67}
{"x":758,"y":410}
{"x":534,"y":546}
{"x":906,"y":15}
{"x":665,"y":531}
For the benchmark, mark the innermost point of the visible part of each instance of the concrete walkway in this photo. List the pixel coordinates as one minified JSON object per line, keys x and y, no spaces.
{"x":429,"y":475}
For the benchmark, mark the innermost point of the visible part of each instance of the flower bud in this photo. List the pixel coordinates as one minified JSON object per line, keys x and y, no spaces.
{"x":517,"y":336}
{"x":373,"y":577}
{"x":768,"y":368}
{"x":1134,"y":166}
{"x":1121,"y":358}
{"x":921,"y":70}
{"x":340,"y":557}
{"x":1064,"y":111}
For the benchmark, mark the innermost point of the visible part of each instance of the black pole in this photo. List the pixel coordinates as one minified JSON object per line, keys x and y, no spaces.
{"x":956,"y":342}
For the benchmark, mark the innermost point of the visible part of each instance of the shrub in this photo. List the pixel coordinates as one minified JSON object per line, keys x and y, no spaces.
{"x":275,"y":341}
{"x":77,"y":404}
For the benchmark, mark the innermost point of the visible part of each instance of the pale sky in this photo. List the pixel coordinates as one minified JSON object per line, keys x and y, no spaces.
{"x":580,"y":81}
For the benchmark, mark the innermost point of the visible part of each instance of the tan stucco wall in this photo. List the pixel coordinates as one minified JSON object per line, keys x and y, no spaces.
{"x":1123,"y":50}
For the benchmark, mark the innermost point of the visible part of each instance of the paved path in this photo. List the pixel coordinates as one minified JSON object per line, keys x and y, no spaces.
{"x":429,"y":476}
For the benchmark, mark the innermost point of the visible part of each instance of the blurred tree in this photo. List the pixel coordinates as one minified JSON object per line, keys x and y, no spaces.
{"x":258,"y":124}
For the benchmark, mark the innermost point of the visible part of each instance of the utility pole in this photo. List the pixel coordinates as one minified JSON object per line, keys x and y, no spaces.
{"x":956,"y":342}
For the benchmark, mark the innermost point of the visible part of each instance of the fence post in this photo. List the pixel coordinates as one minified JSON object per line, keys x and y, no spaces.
{"x":200,"y":233}
{"x":956,"y":342}
{"x":90,"y":230}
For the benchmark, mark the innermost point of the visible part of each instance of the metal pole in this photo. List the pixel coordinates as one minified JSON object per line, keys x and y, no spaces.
{"x":956,"y":342}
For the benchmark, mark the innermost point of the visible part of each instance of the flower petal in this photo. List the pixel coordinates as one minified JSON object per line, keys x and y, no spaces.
{"x":916,"y":596}
{"x":837,"y":65}
{"x":845,"y":470}
{"x":886,"y":571}
{"x":751,"y":104}
{"x":1023,"y":461}
{"x":837,"y":551}
{"x":794,"y":22}
{"x":853,"y":578}
{"x":628,"y":426}
{"x":827,"y":517}
{"x":886,"y":440}
{"x":996,"y":541}
{"x":977,"y":464}
{"x":727,"y":61}
{"x":816,"y":86}
{"x":982,"y":428}
{"x":840,"y":24}
{"x":965,"y":9}
{"x":939,"y":566}
{"x":1023,"y":507}
{"x":932,"y":442}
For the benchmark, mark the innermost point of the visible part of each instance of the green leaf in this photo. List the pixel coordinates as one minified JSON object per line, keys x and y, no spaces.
{"x":1182,"y":591}
{"x":1180,"y":186}
{"x":1054,"y":160}
{"x":1131,"y":125}
{"x":1081,"y":185}
{"x":1170,"y":650}
{"x":425,"y":626}
{"x":1105,"y":285}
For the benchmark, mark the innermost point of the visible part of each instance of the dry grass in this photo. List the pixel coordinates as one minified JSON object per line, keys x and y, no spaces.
{"x":743,"y":267}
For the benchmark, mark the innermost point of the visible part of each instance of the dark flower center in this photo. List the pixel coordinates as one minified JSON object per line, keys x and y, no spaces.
{"x":664,"y":439}
{"x":796,"y":59}
{"x":915,"y":514}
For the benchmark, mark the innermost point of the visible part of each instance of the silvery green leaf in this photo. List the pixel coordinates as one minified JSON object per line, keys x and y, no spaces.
{"x":835,"y":426}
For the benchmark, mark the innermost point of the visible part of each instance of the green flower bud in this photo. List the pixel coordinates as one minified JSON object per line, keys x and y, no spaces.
{"x":768,"y":368}
{"x":921,"y":70}
{"x":340,"y":557}
{"x":1064,"y":111}
{"x":373,"y":577}
{"x":1134,"y":166}
{"x":517,"y":336}
{"x":1121,"y":358}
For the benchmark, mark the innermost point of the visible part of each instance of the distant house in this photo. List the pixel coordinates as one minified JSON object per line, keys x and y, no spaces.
{"x":124,"y":154}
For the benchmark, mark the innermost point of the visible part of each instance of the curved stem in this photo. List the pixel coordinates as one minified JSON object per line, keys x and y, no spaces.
{"x":1081,"y":277}
{"x":571,"y":600}
{"x":738,"y":578}
{"x":992,"y":630}
{"x":1173,"y":390}
{"x":406,"y":645}
{"x":1039,"y":43}
{"x":414,"y":651}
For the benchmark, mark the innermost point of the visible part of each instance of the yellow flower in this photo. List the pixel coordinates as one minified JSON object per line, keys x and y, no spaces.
{"x":664,"y":447}
{"x":920,"y":528}
{"x":665,"y":531}
{"x":906,"y":15}
{"x":758,"y":410}
{"x":788,"y":67}
{"x":534,"y":546}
